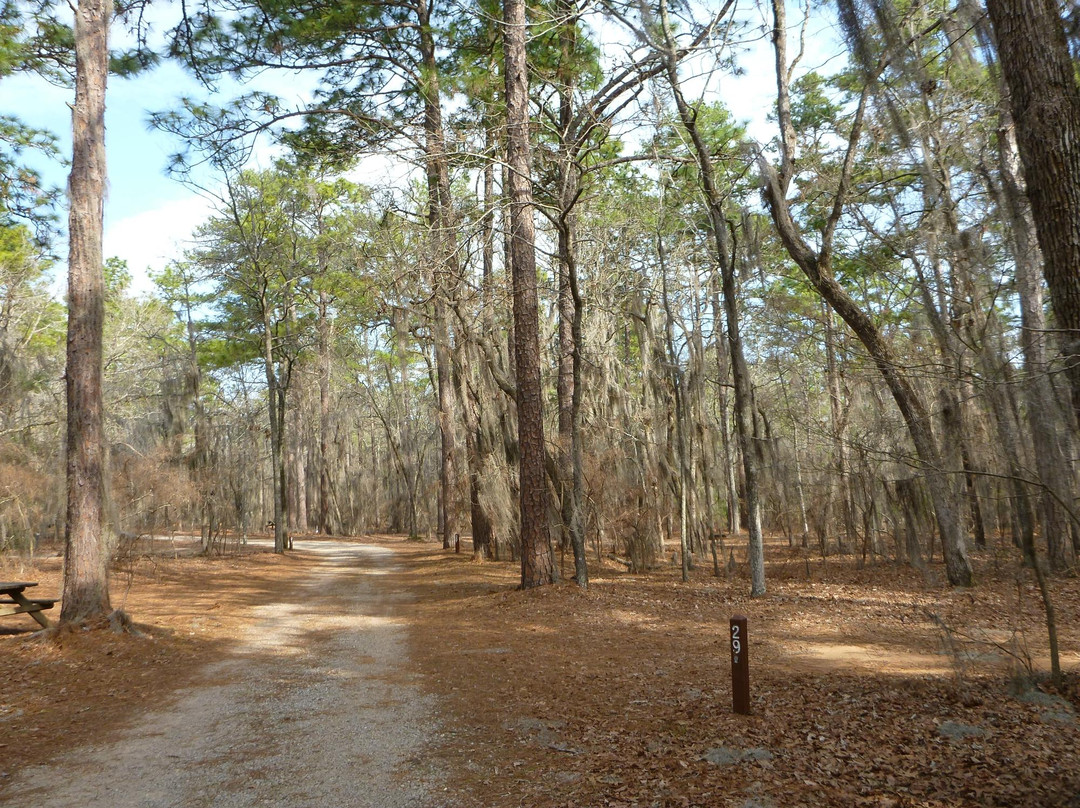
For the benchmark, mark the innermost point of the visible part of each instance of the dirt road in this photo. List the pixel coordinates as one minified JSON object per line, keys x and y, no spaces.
{"x":316,"y":707}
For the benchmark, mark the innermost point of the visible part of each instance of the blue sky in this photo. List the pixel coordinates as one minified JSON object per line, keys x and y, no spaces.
{"x":148,"y":215}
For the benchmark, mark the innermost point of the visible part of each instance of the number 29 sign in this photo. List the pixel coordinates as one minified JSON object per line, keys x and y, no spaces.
{"x":740,"y":666}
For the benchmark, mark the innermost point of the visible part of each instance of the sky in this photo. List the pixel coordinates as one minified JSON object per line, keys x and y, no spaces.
{"x":149,"y":217}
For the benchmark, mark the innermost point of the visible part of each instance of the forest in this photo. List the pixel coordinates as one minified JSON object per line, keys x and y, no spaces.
{"x":601,"y":318}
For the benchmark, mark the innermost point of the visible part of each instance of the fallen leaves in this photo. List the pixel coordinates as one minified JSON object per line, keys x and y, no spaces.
{"x":639,"y":672}
{"x":557,"y":698}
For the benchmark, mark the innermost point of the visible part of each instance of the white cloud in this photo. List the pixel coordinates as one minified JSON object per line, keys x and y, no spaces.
{"x":151,"y":238}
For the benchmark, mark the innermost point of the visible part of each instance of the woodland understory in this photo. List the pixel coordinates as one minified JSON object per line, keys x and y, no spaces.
{"x":601,"y":316}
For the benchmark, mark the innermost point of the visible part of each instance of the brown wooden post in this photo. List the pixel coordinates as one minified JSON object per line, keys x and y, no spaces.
{"x":740,"y":666}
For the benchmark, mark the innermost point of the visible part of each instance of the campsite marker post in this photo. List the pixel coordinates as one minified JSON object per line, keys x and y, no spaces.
{"x":740,"y":666}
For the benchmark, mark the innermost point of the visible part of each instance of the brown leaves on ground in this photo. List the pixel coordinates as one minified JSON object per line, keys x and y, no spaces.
{"x":870,"y":687}
{"x":864,"y":691}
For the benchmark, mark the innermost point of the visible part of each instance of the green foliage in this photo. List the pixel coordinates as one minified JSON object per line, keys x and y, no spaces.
{"x":814,"y":111}
{"x":556,"y":25}
{"x":23,"y":194}
{"x":117,"y":278}
{"x":32,"y":325}
{"x":128,"y":63}
{"x":370,"y":82}
{"x":284,"y":241}
{"x":33,"y":40}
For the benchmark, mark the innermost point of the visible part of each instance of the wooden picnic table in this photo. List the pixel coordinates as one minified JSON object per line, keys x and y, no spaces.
{"x":13,"y":601}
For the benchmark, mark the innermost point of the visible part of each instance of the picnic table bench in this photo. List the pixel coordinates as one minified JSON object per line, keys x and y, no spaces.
{"x":13,"y":601}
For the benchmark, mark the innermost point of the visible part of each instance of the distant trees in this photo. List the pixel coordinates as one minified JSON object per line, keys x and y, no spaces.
{"x":271,"y":256}
{"x":816,"y":263}
{"x":657,"y":362}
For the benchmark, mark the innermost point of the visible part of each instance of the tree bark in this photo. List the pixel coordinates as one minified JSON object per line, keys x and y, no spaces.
{"x":275,"y":404}
{"x":677,"y":382}
{"x":323,"y":517}
{"x":837,"y":428}
{"x":537,"y":560}
{"x":297,"y":467}
{"x":1045,"y":100}
{"x":86,"y":584}
{"x":731,"y":485}
{"x":1050,"y":437}
{"x":568,"y":390}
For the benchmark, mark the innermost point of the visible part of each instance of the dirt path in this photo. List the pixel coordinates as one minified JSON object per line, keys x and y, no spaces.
{"x":311,"y":680}
{"x":316,"y":707}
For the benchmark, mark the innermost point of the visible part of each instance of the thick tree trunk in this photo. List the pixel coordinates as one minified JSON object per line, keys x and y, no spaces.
{"x":86,"y":586}
{"x":537,"y":561}
{"x":1045,"y":100}
{"x":1051,"y":439}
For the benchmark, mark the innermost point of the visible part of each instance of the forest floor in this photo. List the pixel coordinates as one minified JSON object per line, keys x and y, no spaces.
{"x":872,"y":685}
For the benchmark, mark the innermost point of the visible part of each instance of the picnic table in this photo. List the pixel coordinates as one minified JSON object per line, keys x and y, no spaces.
{"x":13,"y":601}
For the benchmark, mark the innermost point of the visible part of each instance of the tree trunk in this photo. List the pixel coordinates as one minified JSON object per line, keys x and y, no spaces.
{"x":477,"y":447}
{"x":448,"y":442}
{"x":1050,"y":437}
{"x":323,"y":518}
{"x":1045,"y":100}
{"x":568,"y":390}
{"x":676,"y":379}
{"x":297,"y":466}
{"x":441,"y":221}
{"x":816,"y":265}
{"x":729,"y":288}
{"x":275,"y":405}
{"x":537,"y":560}
{"x":838,"y":426}
{"x":731,"y":485}
{"x":481,"y":525}
{"x":86,"y":585}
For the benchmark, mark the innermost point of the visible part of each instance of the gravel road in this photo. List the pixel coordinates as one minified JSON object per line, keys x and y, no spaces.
{"x":315,"y":708}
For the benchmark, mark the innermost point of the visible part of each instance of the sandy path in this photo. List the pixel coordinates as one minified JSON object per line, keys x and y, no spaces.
{"x":315,"y":708}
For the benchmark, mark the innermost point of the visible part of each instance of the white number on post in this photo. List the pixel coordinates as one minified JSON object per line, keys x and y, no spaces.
{"x":736,"y":644}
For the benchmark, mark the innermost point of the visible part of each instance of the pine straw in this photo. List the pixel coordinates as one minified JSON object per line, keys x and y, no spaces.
{"x":615,"y":696}
{"x":871,"y":687}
